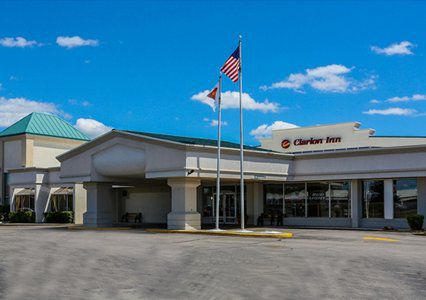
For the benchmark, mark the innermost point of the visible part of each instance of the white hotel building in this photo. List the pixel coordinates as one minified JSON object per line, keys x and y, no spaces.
{"x":333,"y":175}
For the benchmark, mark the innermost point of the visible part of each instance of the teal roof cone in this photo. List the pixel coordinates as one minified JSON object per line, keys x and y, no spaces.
{"x":45,"y":125}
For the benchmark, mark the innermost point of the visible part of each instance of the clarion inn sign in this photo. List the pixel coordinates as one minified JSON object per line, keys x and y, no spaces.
{"x":311,"y":141}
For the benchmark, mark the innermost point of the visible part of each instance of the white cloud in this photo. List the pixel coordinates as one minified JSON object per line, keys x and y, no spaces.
{"x":398,"y":99}
{"x":91,"y":127}
{"x":415,"y":97}
{"x":418,"y":97}
{"x":265,"y":130}
{"x":75,"y":41}
{"x":18,"y":42}
{"x":331,"y":78}
{"x":214,"y":123}
{"x":231,"y":100}
{"x":392,"y":111}
{"x":402,"y":48}
{"x":81,"y":103}
{"x":374,"y":101}
{"x":14,"y":109}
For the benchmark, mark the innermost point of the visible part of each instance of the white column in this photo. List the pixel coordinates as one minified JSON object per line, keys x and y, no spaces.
{"x":184,"y":214}
{"x":41,"y":198}
{"x":99,"y":205}
{"x":388,"y":186}
{"x":79,"y":202}
{"x":356,"y":198}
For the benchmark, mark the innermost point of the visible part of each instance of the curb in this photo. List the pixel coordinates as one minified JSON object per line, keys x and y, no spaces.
{"x":283,"y":235}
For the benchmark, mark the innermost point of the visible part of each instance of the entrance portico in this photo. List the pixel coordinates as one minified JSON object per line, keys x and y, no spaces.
{"x":120,"y":170}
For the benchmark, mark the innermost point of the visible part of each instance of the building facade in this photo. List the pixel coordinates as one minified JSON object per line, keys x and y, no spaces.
{"x":329,"y":176}
{"x":30,"y":171}
{"x":170,"y":179}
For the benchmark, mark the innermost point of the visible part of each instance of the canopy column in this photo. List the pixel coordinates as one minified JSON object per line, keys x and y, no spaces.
{"x":356,"y":202}
{"x":184,"y":214}
{"x":99,"y":204}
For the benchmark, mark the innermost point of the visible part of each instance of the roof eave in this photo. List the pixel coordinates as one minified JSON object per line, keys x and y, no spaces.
{"x":114,"y":132}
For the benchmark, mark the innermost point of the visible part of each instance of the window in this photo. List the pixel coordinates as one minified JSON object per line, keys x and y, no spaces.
{"x":24,"y":202}
{"x":294,"y":196}
{"x":340,"y":199}
{"x":318,"y":199}
{"x":61,"y":202}
{"x":208,"y":202}
{"x":273,"y":197}
{"x":373,"y":199}
{"x":404,"y":197}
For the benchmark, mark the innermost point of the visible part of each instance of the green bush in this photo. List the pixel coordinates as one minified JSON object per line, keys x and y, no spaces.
{"x":22,"y":217}
{"x":59,"y":217}
{"x":415,"y":222}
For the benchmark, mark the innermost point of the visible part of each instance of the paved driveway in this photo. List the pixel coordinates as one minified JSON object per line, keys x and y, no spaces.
{"x":55,"y":263}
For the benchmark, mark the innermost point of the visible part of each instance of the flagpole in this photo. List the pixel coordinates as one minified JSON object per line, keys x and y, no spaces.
{"x":219,"y":121}
{"x":242,"y":217}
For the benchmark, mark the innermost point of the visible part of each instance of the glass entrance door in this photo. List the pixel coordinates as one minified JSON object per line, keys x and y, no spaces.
{"x":227,"y":208}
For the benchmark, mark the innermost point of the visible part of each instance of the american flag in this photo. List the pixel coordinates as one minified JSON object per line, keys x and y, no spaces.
{"x":232,"y":65}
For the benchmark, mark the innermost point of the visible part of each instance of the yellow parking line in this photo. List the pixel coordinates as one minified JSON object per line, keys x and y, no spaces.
{"x":377,"y":238}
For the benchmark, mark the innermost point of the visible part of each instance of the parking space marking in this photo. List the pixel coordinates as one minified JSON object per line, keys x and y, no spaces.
{"x":377,"y":238}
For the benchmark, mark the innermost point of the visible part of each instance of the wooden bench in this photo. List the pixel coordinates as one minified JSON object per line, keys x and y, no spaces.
{"x":137,"y":217}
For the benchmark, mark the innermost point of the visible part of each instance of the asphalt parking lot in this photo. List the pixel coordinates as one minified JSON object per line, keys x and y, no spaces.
{"x":57,"y":263}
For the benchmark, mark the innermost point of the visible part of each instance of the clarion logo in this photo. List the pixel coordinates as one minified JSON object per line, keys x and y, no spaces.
{"x":311,"y":141}
{"x":285,"y":144}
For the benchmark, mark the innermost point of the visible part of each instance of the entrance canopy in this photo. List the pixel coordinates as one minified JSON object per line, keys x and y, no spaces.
{"x":26,"y":192}
{"x":122,"y":156}
{"x":63,"y":191}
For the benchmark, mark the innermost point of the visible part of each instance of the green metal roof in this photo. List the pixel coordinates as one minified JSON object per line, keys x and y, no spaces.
{"x":195,"y":141}
{"x":46,"y":125}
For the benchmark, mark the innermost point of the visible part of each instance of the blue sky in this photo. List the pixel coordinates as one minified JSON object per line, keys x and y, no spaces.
{"x":140,"y":65}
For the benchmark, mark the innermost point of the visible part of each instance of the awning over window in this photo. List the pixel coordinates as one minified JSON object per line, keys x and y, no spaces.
{"x":26,"y":192}
{"x":63,"y":191}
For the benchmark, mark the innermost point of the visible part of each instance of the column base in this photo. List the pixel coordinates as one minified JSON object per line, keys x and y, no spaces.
{"x":184,"y":221}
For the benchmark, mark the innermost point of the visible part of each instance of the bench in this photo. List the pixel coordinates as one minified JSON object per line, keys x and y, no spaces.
{"x":137,"y":217}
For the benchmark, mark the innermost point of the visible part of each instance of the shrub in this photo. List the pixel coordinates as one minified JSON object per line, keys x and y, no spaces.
{"x":59,"y":217}
{"x":415,"y":222}
{"x":22,"y":217}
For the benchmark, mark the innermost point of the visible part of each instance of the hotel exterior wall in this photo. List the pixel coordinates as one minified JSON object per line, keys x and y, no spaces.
{"x":378,"y":163}
{"x":355,"y":220}
{"x":45,"y":182}
{"x":153,"y":202}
